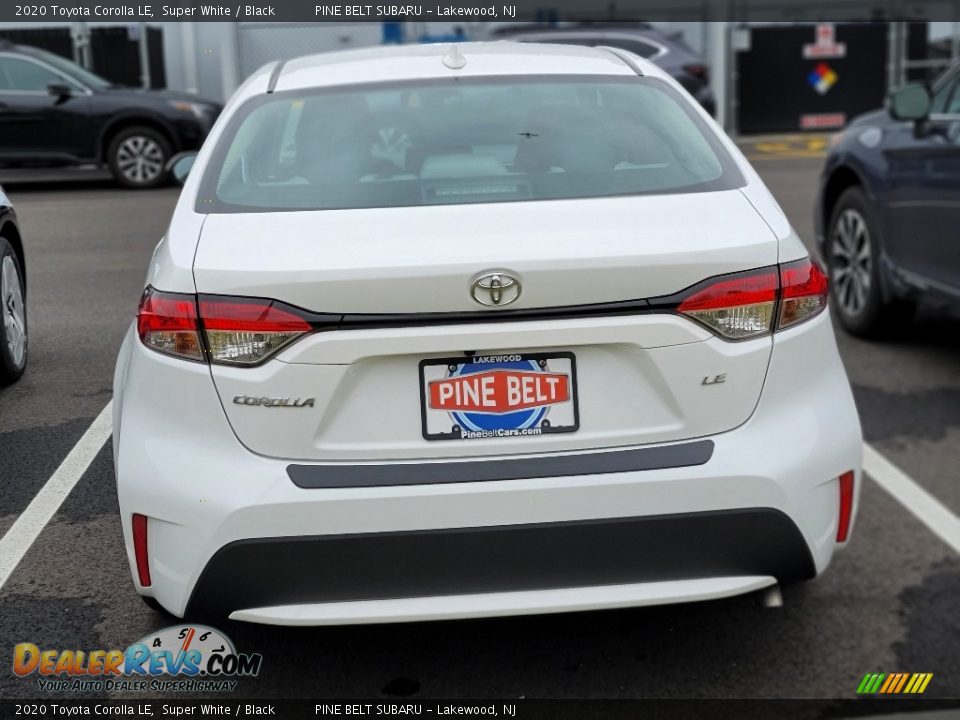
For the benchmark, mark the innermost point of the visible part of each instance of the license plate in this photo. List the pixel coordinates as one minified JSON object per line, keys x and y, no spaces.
{"x":495,"y":396}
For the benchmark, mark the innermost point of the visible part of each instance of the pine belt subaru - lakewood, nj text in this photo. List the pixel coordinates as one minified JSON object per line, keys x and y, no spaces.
{"x":471,"y":330}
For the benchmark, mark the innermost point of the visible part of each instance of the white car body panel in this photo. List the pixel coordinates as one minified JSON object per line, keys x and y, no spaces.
{"x":566,"y":252}
{"x":639,"y":382}
{"x":386,"y":64}
{"x":206,"y":490}
{"x":210,"y":473}
{"x":563,"y":253}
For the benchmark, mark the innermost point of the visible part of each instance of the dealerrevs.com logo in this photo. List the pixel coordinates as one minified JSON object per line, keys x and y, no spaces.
{"x":191,"y":658}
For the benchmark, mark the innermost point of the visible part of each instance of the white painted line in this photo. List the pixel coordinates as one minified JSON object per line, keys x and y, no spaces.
{"x":45,"y":503}
{"x":924,"y":506}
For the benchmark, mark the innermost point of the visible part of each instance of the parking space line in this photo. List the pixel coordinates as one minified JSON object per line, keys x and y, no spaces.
{"x":924,"y":506}
{"x":45,"y":503}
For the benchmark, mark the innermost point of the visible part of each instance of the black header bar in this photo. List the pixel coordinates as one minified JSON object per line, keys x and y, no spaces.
{"x":459,"y":11}
{"x":220,"y":705}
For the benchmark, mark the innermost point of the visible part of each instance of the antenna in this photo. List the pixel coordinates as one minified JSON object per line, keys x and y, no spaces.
{"x":454,"y":59}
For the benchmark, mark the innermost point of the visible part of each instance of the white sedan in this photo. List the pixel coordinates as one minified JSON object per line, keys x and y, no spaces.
{"x":474,"y":330}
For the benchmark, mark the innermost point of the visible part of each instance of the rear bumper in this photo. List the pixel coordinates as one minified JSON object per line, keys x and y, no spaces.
{"x":344,"y":475}
{"x":266,"y":572}
{"x":523,"y":602}
{"x":230,"y":530}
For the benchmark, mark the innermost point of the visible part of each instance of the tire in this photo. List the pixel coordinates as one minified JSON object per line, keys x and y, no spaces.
{"x":13,"y":310}
{"x":853,"y":257}
{"x":138,"y":157}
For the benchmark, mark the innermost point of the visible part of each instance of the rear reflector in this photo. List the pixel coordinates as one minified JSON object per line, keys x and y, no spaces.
{"x":140,"y":549}
{"x":803,"y":292}
{"x":167,"y":322}
{"x":246,"y":331}
{"x":846,"y":506}
{"x":736,"y":307}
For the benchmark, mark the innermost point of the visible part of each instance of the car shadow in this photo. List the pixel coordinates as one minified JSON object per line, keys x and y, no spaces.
{"x":932,"y":328}
{"x":56,"y":179}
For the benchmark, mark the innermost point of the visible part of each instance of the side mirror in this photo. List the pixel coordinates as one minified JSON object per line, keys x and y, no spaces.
{"x":180,"y":165}
{"x":911,"y":102}
{"x":59,"y":90}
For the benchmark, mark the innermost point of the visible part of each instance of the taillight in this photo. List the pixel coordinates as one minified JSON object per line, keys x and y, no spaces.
{"x":698,"y":70}
{"x":246,"y":331}
{"x":803,"y":292}
{"x":227,"y":330}
{"x":167,"y":322}
{"x":753,"y":303}
{"x":736,"y":307}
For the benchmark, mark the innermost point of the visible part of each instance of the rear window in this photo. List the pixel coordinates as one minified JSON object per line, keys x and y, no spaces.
{"x":462,"y":141}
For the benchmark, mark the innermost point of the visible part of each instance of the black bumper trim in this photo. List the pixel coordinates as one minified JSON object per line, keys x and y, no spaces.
{"x":267,"y":572}
{"x":592,"y":463}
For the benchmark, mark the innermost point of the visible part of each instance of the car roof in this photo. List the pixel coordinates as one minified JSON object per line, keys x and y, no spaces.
{"x":396,"y":63}
{"x":11,"y":47}
{"x":590,"y":31}
{"x":638,"y":31}
{"x":506,"y":31}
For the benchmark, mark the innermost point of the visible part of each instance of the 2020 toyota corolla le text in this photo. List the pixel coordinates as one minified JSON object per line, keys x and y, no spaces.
{"x":478,"y":330}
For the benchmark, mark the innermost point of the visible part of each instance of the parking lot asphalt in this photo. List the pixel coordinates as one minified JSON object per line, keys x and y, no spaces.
{"x":890,"y":602}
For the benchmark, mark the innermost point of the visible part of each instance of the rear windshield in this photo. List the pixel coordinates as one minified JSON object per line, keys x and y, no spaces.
{"x":463,"y":141}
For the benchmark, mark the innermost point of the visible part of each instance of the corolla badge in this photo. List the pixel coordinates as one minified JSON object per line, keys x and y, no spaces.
{"x":495,"y":288}
{"x":273,"y":402}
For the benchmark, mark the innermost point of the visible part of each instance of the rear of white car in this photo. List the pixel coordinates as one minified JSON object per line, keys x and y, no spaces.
{"x":496,"y":330}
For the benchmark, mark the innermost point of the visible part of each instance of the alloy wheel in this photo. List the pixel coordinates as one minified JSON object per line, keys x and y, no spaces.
{"x":140,"y":159}
{"x":851,"y":266}
{"x":14,"y":323}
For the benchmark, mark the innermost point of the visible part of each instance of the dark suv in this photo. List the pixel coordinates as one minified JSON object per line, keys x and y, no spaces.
{"x":55,"y":113}
{"x":888,"y":211}
{"x":667,"y":51}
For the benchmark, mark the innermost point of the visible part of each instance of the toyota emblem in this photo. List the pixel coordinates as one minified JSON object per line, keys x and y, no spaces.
{"x":495,"y":288}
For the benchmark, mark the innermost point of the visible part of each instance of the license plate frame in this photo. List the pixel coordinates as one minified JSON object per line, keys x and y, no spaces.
{"x":524,"y":422}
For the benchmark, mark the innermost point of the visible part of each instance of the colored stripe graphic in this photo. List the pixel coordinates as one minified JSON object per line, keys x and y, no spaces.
{"x":894,"y":683}
{"x":870,"y":683}
{"x":903,"y":680}
{"x":919,"y":683}
{"x":892,"y":679}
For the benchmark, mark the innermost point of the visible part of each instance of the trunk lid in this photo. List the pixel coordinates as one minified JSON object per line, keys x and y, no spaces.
{"x":421,"y":259}
{"x":638,"y":378}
